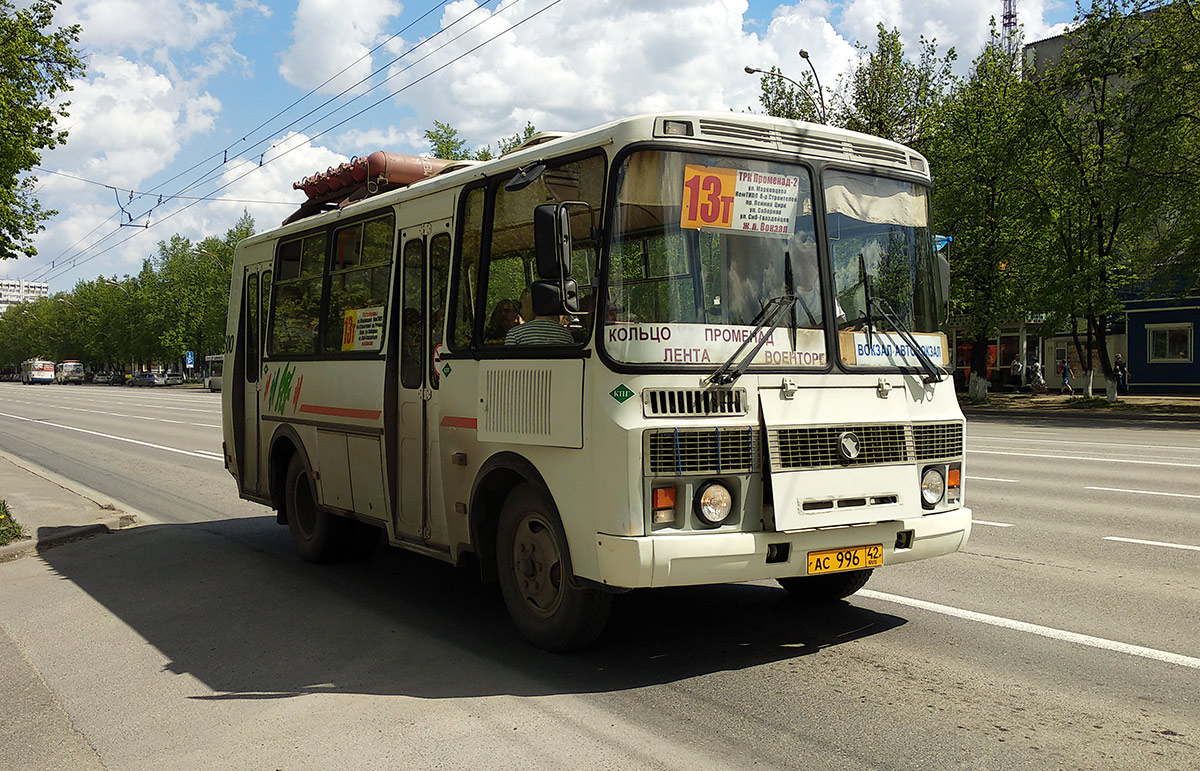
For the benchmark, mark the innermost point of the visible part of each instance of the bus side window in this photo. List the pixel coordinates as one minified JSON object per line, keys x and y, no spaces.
{"x":412,"y":319}
{"x":297,"y":301}
{"x":359,"y":275}
{"x":253,"y":352}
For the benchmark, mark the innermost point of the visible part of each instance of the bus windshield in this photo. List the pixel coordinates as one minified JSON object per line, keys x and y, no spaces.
{"x":700,"y":246}
{"x":885,"y":273}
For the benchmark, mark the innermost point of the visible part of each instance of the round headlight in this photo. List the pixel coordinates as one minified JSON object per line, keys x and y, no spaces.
{"x":933,"y":486}
{"x":713,"y":503}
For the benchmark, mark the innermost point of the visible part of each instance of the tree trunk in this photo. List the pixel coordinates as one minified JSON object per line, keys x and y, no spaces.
{"x":977,"y":387}
{"x":1110,"y":389}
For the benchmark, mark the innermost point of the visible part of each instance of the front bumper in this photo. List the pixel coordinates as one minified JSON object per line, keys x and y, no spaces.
{"x":716,"y":558}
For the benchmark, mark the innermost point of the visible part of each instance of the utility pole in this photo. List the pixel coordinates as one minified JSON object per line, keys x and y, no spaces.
{"x":1008,"y":26}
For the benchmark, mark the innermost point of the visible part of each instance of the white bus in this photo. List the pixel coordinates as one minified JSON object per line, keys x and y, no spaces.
{"x":69,"y":371}
{"x":37,"y":371}
{"x":213,"y":364}
{"x":673,"y":350}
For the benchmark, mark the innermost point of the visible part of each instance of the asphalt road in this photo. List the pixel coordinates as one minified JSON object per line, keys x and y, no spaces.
{"x":1067,"y":634}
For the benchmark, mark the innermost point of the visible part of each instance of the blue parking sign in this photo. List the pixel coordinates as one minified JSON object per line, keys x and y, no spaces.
{"x":190,"y":358}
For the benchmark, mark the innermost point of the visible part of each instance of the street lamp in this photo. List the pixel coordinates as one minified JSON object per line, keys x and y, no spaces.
{"x":819,"y":106}
{"x":129,"y":315}
{"x":820,"y":91}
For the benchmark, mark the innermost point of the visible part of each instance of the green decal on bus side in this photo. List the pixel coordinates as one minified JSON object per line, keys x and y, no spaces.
{"x":621,"y":393}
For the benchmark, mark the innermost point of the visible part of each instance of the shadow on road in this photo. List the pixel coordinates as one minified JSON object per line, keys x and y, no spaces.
{"x":230,"y":604}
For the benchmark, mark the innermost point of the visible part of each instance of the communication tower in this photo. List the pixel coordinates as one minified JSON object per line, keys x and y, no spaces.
{"x":1008,"y":26}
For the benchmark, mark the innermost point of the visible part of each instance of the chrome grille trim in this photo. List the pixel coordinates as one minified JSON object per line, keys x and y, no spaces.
{"x":693,"y":402}
{"x":687,"y":451}
{"x":935,"y":441}
{"x":816,"y":447}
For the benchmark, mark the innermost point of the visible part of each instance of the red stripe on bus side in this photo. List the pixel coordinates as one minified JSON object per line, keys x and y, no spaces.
{"x":452,"y":422}
{"x":341,"y":412}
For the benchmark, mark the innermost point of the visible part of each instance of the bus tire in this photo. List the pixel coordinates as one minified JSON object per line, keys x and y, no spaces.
{"x":827,"y":588}
{"x":546,"y":604}
{"x":317,"y":534}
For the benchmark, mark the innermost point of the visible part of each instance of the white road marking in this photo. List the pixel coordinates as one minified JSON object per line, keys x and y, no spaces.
{"x":991,"y":524}
{"x":1042,"y":631}
{"x":1192,"y":448}
{"x":1077,"y":457}
{"x":990,"y":479}
{"x":116,"y":438}
{"x":1152,"y":543}
{"x":1142,"y":492}
{"x":123,"y":415}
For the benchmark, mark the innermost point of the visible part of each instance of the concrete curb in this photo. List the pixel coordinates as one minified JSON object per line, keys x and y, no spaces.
{"x":121,"y":515}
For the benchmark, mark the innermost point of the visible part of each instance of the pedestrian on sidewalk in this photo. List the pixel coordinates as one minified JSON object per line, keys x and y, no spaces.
{"x":1066,"y":379}
{"x":1122,"y":374}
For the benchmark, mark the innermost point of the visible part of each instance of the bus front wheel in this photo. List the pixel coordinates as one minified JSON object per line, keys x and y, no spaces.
{"x":548,"y":606}
{"x":826,"y":588}
{"x":316,"y":533}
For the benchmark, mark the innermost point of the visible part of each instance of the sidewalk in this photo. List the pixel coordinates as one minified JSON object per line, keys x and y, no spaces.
{"x":1130,"y":406}
{"x":52,"y":509}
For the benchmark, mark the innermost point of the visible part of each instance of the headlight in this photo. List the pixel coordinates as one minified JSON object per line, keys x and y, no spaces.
{"x":933,"y":487}
{"x":714,"y":502}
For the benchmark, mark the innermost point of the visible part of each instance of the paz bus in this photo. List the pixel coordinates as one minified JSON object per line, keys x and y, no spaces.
{"x":676,"y":349}
{"x":69,"y":371}
{"x":37,"y":371}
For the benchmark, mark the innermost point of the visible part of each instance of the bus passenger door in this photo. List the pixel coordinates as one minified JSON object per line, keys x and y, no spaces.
{"x":425,"y":266}
{"x":257,"y":295}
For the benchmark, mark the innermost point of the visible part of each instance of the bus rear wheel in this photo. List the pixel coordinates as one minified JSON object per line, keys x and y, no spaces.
{"x":826,"y":588}
{"x":549,"y":607}
{"x":317,"y":534}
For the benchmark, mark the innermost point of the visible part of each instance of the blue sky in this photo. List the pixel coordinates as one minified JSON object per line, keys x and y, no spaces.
{"x":184,"y":98}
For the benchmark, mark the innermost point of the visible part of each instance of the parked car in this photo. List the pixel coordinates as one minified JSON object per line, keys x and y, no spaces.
{"x":148,"y":379}
{"x":174,"y":378}
{"x":102,"y":378}
{"x":118,"y":378}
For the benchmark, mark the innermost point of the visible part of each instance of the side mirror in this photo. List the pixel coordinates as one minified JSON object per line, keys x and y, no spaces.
{"x":552,"y":240}
{"x":549,"y":298}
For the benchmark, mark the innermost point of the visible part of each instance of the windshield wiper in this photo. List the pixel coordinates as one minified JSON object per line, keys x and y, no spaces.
{"x":933,"y":373}
{"x":768,"y":318}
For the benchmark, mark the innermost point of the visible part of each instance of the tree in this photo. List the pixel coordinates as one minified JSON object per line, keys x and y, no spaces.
{"x":782,"y":99}
{"x":1099,"y":120}
{"x":978,"y":154}
{"x":35,"y":68}
{"x":444,"y":142}
{"x":890,"y":96}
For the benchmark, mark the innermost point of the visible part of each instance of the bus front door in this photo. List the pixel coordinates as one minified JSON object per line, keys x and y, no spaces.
{"x":425,"y":269}
{"x":257,"y":295}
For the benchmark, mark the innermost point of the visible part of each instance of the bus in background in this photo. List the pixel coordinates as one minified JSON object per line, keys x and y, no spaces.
{"x":37,"y":371}
{"x":69,"y":371}
{"x":676,"y":349}
{"x":212,"y":371}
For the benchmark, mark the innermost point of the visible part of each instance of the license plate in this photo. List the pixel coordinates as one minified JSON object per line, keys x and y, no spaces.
{"x":851,"y":558}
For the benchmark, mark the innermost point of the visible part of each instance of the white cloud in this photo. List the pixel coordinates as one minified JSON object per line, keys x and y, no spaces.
{"x":143,"y":25}
{"x":331,"y":35}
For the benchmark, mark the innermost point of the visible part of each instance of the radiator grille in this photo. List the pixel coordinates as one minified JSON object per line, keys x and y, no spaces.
{"x":938,"y":440}
{"x":683,"y":451}
{"x":817,"y":447}
{"x":518,"y":402}
{"x":693,"y":402}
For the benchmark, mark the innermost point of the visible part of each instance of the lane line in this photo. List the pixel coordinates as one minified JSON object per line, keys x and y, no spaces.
{"x":1152,"y":543}
{"x":122,"y":415}
{"x":990,"y":479}
{"x":111,"y":436}
{"x":1191,"y":448}
{"x":1062,"y":635}
{"x":991,"y":524}
{"x":1142,"y":492}
{"x":1097,"y":460}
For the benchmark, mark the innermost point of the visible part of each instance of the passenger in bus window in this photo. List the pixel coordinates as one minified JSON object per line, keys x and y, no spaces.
{"x":505,"y":316}
{"x":537,"y":330}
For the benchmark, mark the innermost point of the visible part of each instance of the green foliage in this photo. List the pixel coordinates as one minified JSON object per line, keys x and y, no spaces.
{"x":890,"y":96}
{"x":35,"y":67}
{"x":176,"y":303}
{"x":444,"y":142}
{"x":10,"y":529}
{"x":782,"y":99}
{"x":982,"y":156}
